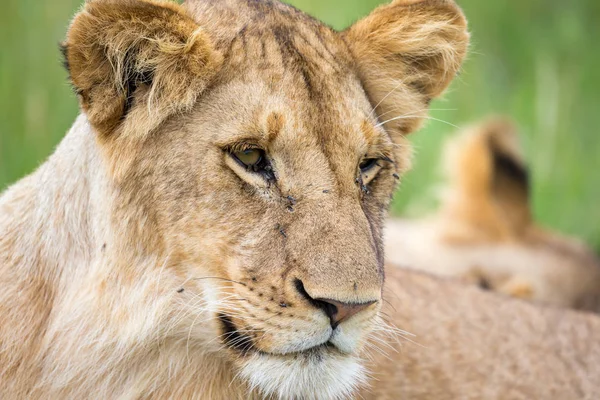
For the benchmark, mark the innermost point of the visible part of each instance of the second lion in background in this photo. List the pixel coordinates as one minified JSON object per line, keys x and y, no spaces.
{"x":484,"y":233}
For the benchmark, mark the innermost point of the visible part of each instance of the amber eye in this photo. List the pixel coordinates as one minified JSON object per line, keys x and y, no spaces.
{"x":254,"y":160}
{"x":249,"y":157}
{"x":367,"y":164}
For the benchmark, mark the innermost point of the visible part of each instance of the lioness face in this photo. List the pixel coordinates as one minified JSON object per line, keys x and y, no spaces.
{"x":274,"y":192}
{"x":266,"y":178}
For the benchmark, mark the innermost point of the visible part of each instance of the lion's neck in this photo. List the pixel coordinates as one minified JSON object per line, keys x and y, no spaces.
{"x":49,"y":213}
{"x":83,"y":299}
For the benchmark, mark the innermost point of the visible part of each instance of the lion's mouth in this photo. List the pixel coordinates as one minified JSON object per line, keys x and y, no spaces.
{"x":244,"y":344}
{"x":233,"y":338}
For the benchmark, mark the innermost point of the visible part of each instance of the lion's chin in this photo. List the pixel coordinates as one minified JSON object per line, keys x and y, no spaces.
{"x":321,"y":373}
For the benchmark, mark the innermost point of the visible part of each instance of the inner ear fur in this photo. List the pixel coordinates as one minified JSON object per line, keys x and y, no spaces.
{"x":135,"y":62}
{"x":407,"y":53}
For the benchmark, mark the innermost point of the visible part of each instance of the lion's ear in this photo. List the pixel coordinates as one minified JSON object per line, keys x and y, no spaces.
{"x":407,"y":53}
{"x":135,"y":62}
{"x":489,"y":180}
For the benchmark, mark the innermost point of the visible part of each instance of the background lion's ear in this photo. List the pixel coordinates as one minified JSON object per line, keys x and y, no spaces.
{"x":135,"y":62}
{"x":407,"y":53}
{"x":488,"y":180}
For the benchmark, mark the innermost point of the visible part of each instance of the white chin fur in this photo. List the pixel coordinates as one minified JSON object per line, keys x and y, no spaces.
{"x":304,"y":376}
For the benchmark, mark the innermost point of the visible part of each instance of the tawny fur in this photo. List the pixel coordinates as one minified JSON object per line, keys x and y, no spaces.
{"x":142,"y":261}
{"x":471,"y":345}
{"x":484,"y":233}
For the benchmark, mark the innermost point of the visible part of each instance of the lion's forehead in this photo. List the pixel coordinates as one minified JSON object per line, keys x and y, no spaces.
{"x":314,"y":63}
{"x":238,"y":26}
{"x":271,"y":40}
{"x":293,"y":46}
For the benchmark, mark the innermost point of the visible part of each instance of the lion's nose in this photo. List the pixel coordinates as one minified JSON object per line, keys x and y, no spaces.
{"x":337,"y":311}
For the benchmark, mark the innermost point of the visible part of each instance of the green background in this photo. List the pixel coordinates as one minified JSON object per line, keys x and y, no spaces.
{"x":535,"y":60}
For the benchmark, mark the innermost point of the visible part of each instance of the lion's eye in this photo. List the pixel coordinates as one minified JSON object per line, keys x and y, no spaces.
{"x":249,"y":157}
{"x":369,"y":168}
{"x":252,"y":160}
{"x":368,"y":164}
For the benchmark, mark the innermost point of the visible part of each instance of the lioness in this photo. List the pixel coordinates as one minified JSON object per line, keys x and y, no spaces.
{"x":484,"y":232}
{"x":211,"y":225}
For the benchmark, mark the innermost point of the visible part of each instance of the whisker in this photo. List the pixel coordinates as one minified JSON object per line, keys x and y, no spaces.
{"x":390,"y":304}
{"x":418,"y":111}
{"x":217,"y":277}
{"x":385,"y":97}
{"x":409,"y":116}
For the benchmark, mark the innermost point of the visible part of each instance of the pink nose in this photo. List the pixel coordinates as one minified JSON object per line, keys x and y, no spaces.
{"x":338,"y":312}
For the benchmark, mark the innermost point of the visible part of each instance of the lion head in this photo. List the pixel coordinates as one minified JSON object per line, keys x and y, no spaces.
{"x":250,"y":153}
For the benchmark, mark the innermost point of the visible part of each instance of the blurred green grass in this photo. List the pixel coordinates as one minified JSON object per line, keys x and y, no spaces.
{"x":535,"y":60}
